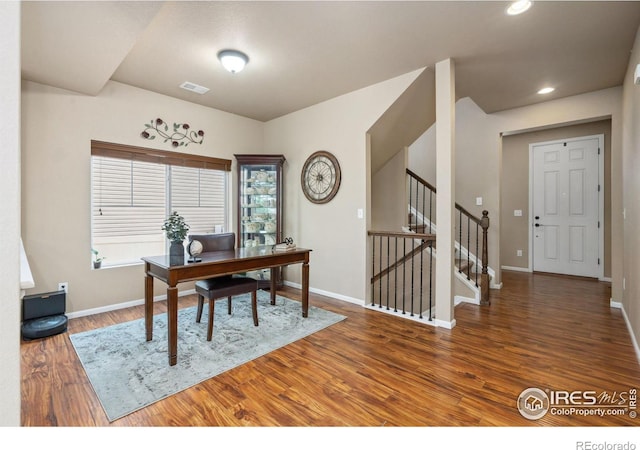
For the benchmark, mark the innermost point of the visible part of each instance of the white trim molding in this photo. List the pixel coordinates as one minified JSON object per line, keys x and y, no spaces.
{"x":102,"y":309}
{"x":614,"y":304}
{"x":446,"y":324}
{"x":630,"y":329}
{"x":516,"y":269}
{"x":356,"y":301}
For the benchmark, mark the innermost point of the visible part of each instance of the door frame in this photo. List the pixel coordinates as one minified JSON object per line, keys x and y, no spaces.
{"x":601,"y":193}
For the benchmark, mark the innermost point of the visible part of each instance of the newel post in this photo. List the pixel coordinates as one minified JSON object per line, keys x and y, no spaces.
{"x":484,"y":278}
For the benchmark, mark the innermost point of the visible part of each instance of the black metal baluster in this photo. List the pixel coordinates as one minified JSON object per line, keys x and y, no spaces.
{"x":430,"y":280}
{"x":424,"y":219}
{"x":388,"y":265}
{"x":416,"y":207}
{"x":410,"y":201}
{"x":468,"y":248}
{"x":373,"y":270}
{"x":421,"y":272}
{"x":430,"y":210}
{"x":395,"y":273}
{"x":460,"y":238}
{"x":380,"y":280}
{"x":404,"y":270}
{"x":413,"y":265}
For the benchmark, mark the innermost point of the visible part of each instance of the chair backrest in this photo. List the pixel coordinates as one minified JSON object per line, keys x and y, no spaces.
{"x":215,"y":242}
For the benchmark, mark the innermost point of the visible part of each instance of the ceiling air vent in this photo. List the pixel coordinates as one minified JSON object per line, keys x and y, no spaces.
{"x":194,"y":87}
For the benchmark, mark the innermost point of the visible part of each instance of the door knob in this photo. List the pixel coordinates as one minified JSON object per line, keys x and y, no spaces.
{"x":537,"y":217}
{"x":537,"y":225}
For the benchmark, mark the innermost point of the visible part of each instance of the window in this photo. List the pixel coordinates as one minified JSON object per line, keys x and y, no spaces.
{"x":133,"y":190}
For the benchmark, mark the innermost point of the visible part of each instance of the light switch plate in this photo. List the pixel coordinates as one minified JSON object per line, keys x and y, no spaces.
{"x":517,"y":212}
{"x":478,"y":201}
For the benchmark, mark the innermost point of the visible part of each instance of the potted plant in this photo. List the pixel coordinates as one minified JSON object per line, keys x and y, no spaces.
{"x":97,"y":260}
{"x":176,"y":230}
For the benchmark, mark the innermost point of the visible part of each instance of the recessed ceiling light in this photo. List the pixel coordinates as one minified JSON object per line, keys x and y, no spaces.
{"x":546,"y":90}
{"x":519,"y":7}
{"x":194,"y":87}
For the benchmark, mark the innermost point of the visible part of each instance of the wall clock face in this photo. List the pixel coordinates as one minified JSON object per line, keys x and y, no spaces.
{"x":320,"y":177}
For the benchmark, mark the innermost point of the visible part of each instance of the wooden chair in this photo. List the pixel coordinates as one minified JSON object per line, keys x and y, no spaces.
{"x":223,"y":286}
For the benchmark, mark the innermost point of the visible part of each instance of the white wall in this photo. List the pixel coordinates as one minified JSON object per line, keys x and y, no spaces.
{"x":10,"y":217}
{"x":631,"y":189}
{"x":332,"y":230}
{"x":57,"y":127}
{"x":388,"y":195}
{"x":580,"y":108}
{"x":479,"y":156}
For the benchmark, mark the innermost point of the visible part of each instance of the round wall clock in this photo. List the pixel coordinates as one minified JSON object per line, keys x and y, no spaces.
{"x":320,"y":177}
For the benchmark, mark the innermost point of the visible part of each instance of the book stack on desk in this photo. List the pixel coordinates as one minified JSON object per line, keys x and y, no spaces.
{"x":284,"y":247}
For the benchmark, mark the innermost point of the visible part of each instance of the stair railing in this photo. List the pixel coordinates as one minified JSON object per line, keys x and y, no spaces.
{"x":400,"y":262}
{"x":422,"y":200}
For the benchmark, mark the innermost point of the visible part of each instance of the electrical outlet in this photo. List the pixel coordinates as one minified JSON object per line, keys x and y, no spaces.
{"x":64,"y":286}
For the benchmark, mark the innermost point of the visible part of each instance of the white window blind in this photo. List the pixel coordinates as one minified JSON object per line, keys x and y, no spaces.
{"x":128,"y":197}
{"x":199,"y":196}
{"x":131,"y":197}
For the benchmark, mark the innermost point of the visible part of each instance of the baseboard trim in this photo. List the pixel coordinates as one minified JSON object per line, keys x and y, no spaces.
{"x":634,"y":341}
{"x":445,"y":324}
{"x":102,"y":309}
{"x":344,"y":298}
{"x":516,"y":269}
{"x":614,"y":304}
{"x":158,"y":298}
{"x":607,"y":279}
{"x":457,"y":299}
{"x":416,"y":317}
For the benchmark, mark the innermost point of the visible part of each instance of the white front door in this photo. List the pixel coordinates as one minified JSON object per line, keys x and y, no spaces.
{"x":566,"y":206}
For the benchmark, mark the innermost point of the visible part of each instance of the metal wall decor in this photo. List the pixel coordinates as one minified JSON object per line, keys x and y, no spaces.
{"x":320,"y":177}
{"x":182,"y":133}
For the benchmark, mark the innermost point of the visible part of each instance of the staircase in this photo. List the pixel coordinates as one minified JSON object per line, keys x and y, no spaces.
{"x":403,"y":262}
{"x":471,"y":256}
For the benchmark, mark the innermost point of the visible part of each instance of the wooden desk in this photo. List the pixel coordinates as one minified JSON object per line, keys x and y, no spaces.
{"x":214,"y":264}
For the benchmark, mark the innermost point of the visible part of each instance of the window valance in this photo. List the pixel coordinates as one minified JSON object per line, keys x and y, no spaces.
{"x":134,"y":153}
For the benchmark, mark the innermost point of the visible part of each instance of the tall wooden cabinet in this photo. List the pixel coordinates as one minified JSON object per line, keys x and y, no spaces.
{"x":259,"y":204}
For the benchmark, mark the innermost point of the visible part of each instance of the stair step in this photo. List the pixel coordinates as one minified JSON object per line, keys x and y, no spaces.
{"x":463,"y":264}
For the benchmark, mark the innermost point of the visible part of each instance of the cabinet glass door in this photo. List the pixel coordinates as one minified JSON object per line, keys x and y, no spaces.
{"x":260,"y":205}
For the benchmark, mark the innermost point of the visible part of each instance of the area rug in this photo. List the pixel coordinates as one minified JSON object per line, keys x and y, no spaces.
{"x":128,"y":373}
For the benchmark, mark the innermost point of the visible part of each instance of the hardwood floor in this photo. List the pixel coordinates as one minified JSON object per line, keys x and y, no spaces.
{"x":373,"y":369}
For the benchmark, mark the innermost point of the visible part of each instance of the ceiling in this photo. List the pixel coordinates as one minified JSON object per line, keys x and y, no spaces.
{"x":302,"y":53}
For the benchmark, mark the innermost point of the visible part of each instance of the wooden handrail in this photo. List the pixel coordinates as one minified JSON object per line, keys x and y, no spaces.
{"x":426,"y":238}
{"x":433,"y":189}
{"x":403,"y":234}
{"x":422,"y":180}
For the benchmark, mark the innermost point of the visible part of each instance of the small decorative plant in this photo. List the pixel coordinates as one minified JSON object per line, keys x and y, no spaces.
{"x":175,"y":227}
{"x":97,"y":260}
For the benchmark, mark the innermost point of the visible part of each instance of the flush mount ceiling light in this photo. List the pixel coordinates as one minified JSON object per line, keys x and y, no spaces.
{"x":233,"y":60}
{"x":546,"y":90}
{"x":519,"y":7}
